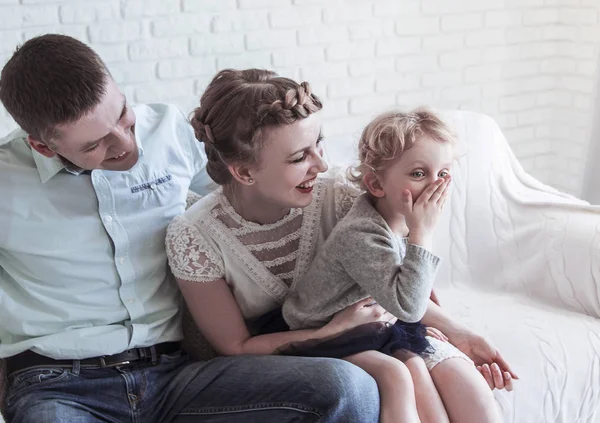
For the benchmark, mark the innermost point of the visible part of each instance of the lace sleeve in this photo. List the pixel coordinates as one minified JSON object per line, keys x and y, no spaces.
{"x":191,"y":198}
{"x":190,"y":256}
{"x":345,"y":194}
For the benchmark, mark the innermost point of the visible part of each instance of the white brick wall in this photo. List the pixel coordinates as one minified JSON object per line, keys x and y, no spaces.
{"x":531,"y":64}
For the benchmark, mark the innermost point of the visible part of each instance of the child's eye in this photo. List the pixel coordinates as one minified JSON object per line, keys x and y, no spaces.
{"x":418,"y":174}
{"x":443,"y":174}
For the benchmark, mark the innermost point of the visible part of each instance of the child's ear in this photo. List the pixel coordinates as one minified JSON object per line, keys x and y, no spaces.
{"x":241,"y":173}
{"x":373,"y":185}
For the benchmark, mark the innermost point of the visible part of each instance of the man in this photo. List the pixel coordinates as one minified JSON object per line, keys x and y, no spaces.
{"x":89,"y":313}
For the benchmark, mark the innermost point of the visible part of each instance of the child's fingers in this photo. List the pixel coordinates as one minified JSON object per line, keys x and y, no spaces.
{"x":438,"y":192}
{"x":407,"y":202}
{"x":435,"y":333}
{"x":433,"y":187}
{"x":444,"y":195}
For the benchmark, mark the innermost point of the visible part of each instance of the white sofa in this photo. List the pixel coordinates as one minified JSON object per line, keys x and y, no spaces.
{"x":521,"y":265}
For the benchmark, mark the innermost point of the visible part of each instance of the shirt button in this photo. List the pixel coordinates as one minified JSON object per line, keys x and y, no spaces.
{"x":153,"y":186}
{"x":121,"y":260}
{"x":108,"y":218}
{"x":130,"y":301}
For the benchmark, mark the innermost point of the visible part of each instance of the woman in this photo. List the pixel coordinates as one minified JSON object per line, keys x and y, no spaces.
{"x":237,"y":251}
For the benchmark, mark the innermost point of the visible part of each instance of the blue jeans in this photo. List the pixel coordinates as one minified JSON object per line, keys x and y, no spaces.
{"x":227,"y":389}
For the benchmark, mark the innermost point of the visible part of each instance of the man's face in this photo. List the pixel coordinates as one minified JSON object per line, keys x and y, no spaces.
{"x":102,"y":139}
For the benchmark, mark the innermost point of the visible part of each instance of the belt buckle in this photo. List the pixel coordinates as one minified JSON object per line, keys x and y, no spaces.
{"x":103,"y":363}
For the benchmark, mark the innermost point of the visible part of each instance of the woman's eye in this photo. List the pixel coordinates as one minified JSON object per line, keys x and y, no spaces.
{"x":299,"y":159}
{"x":89,"y":150}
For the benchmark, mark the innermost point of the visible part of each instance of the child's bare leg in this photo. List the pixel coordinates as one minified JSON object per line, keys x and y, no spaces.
{"x":466,"y":395}
{"x":429,"y":403}
{"x":396,"y":390}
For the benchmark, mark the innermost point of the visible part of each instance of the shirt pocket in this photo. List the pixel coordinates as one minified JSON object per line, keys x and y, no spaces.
{"x":156,"y":190}
{"x":159,"y":183}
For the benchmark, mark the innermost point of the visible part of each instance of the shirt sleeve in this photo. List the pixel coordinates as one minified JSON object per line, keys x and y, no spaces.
{"x":201,"y":183}
{"x":191,"y":258}
{"x":401,"y":285}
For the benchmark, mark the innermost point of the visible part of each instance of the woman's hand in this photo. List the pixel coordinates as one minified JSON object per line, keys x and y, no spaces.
{"x":364,"y":311}
{"x":490,"y":363}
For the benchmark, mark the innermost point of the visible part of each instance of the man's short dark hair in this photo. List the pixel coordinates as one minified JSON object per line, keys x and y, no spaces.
{"x":50,"y":80}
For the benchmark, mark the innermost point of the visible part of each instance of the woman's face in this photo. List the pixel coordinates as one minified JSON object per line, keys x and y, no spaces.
{"x":290,"y":160}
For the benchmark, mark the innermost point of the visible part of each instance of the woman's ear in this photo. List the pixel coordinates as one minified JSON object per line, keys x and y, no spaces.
{"x":373,"y":184}
{"x":241,"y":173}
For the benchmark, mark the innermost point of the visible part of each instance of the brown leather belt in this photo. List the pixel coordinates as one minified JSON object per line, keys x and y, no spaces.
{"x":29,"y":359}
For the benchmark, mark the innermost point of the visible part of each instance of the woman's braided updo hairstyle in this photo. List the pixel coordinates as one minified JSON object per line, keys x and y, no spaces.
{"x":234,"y":109}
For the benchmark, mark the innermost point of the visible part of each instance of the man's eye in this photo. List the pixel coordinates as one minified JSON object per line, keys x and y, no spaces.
{"x":93,"y":148}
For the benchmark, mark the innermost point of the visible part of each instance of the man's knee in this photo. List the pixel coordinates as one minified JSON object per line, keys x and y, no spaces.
{"x":345,"y":382}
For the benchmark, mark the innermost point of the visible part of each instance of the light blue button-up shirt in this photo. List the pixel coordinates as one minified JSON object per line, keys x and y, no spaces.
{"x":83,"y":267}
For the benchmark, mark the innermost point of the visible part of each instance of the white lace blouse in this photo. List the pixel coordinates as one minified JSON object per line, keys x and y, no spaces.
{"x":260,"y":263}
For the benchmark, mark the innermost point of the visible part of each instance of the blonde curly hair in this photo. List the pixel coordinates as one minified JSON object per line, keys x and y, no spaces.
{"x":234,"y":109}
{"x":392,"y":133}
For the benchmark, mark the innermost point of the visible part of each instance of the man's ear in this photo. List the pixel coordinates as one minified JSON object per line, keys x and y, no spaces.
{"x":40,"y":147}
{"x":373,"y":185}
{"x":241,"y":173}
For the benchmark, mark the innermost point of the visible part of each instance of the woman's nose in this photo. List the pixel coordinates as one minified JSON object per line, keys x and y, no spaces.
{"x":320,"y":164}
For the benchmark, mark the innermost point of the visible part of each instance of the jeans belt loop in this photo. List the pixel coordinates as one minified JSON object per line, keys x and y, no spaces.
{"x":154,"y":355}
{"x":76,"y":367}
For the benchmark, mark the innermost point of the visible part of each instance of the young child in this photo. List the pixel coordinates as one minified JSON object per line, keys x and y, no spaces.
{"x":381,"y":249}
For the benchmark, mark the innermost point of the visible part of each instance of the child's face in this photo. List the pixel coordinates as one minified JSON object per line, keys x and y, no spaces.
{"x":419,"y":166}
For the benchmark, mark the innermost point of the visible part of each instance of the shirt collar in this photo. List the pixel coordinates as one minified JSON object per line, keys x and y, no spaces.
{"x":49,"y":166}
